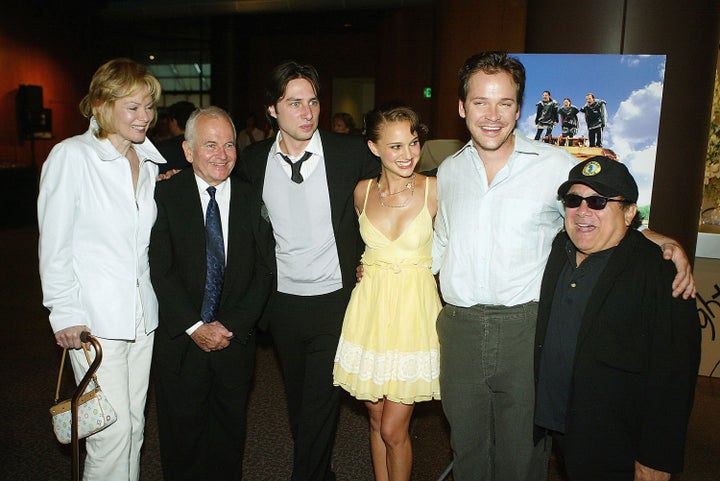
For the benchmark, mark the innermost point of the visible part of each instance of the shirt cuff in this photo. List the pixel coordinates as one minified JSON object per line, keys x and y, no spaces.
{"x":189,"y":331}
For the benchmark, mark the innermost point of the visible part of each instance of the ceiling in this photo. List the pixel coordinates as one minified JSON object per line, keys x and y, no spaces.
{"x":190,"y":8}
{"x":178,"y":32}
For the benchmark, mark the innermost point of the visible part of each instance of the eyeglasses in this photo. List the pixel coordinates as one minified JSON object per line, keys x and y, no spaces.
{"x":595,"y":202}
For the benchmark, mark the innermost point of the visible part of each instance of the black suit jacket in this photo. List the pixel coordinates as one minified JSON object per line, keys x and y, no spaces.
{"x":347,"y":161}
{"x":172,"y":151}
{"x":636,"y":359}
{"x":178,"y":264}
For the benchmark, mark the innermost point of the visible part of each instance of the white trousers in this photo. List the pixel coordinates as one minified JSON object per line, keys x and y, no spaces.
{"x":114,"y":452}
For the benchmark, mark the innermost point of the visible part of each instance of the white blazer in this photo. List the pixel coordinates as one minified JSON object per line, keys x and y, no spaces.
{"x":94,"y":236}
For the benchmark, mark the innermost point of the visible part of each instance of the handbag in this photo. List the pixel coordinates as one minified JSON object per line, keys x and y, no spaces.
{"x":95,"y":412}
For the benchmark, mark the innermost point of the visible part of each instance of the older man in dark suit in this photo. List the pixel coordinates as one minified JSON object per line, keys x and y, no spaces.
{"x":212,"y":282}
{"x":306,"y":179}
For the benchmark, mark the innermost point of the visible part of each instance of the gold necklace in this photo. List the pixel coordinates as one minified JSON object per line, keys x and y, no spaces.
{"x":409,"y":186}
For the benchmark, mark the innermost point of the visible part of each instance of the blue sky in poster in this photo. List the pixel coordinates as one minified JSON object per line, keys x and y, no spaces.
{"x":631,"y":85}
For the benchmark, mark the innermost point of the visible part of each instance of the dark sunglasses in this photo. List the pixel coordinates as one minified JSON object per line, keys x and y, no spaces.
{"x":595,"y":202}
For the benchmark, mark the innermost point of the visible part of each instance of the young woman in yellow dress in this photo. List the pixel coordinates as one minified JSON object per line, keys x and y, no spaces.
{"x":388,"y":354}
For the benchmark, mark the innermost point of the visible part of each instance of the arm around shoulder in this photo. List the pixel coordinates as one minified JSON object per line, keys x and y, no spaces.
{"x":684,"y":282}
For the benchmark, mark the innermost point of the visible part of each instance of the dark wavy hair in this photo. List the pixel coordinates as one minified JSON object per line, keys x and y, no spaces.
{"x":280,"y":77}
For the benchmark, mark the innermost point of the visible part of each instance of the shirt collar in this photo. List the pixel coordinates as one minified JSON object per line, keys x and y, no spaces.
{"x":107,"y":151}
{"x":468,"y":145}
{"x":314,"y":146}
{"x":599,"y":256}
{"x":219,"y":188}
{"x":523,"y":145}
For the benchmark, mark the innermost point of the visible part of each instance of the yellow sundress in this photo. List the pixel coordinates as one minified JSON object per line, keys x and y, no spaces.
{"x":389,"y":346}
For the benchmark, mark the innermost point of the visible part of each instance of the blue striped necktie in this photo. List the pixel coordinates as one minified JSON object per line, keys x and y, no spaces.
{"x":215,"y":255}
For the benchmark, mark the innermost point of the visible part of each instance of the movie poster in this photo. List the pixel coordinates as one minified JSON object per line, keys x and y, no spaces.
{"x":628,"y":88}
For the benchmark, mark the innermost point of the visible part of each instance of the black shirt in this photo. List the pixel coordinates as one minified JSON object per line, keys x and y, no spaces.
{"x":572,"y":293}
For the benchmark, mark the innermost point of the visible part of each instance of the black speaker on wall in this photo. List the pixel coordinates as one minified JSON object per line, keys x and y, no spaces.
{"x":31,"y":117}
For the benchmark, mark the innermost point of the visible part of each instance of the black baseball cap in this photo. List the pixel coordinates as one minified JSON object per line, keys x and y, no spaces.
{"x":606,"y":176}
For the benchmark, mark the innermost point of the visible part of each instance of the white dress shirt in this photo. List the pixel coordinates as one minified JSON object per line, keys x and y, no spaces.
{"x":222,"y":197}
{"x":309,"y":166}
{"x":492,"y":241}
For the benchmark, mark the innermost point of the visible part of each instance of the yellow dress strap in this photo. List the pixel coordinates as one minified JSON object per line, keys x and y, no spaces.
{"x":427,"y":182}
{"x":367,"y":193}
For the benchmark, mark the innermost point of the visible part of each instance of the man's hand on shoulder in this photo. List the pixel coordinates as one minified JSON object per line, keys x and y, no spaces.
{"x":167,"y":174}
{"x":684,"y":282}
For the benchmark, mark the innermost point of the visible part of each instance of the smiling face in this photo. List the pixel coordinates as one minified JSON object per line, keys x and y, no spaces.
{"x":211,"y":150}
{"x":491,"y":111}
{"x":596,"y":230}
{"x":397,"y":147}
{"x":297,"y":113}
{"x":131,"y":118}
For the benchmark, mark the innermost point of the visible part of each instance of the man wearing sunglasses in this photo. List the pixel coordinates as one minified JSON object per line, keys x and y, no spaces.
{"x":616,"y":355}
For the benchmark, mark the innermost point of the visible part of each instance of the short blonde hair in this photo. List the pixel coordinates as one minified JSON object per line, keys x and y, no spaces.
{"x":116,"y":79}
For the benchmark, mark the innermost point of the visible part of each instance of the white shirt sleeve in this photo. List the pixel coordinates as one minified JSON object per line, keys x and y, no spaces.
{"x":189,"y":331}
{"x":59,"y":192}
{"x":440,"y":236}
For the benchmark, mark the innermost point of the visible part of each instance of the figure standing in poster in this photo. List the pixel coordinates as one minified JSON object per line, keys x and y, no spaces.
{"x":595,"y":111}
{"x":568,"y":120}
{"x":546,"y":117}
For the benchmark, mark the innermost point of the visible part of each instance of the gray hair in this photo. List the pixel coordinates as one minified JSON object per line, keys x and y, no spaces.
{"x":211,"y":111}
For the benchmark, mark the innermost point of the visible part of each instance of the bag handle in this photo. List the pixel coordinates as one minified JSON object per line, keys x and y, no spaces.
{"x":62,"y":365}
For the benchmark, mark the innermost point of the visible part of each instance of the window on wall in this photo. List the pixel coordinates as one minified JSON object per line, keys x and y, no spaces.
{"x":183,"y":81}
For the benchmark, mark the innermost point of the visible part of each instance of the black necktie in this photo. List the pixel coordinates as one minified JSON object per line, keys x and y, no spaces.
{"x":215,"y":256}
{"x":296,"y":175}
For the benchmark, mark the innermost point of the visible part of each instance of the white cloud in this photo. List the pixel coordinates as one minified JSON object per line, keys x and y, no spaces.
{"x":527,"y":126}
{"x":643,"y":161}
{"x":636,"y":120}
{"x":642,"y":166}
{"x":632,"y":61}
{"x":632,"y":135}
